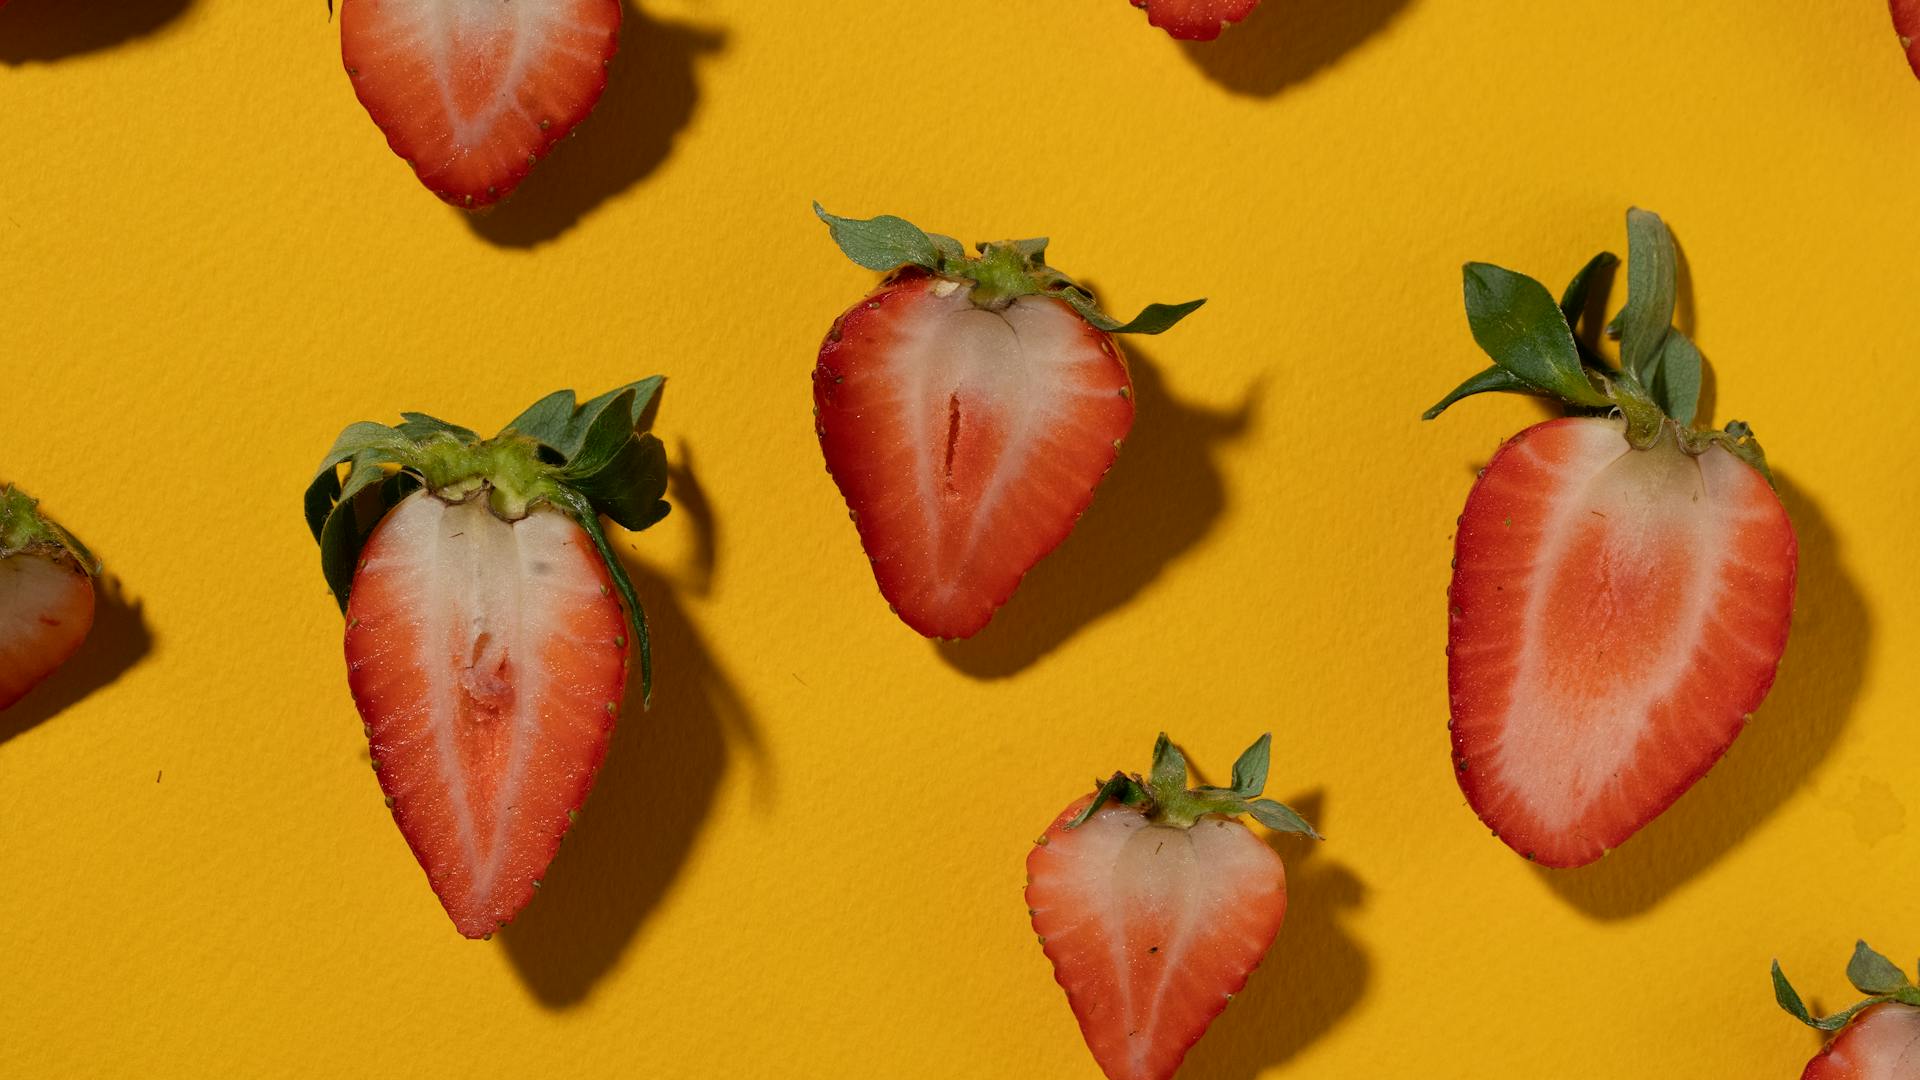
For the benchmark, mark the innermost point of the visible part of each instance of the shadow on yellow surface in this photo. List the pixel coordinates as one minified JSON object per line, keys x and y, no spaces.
{"x":658,"y":784}
{"x":47,"y":30}
{"x":1820,"y":679}
{"x":120,"y":638}
{"x":1286,"y":42}
{"x":1315,"y":974}
{"x":1162,"y":497}
{"x":651,"y":96}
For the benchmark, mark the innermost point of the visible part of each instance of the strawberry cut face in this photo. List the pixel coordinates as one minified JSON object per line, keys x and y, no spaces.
{"x":488,"y":660}
{"x":1616,"y":614}
{"x":966,"y":441}
{"x":473,"y":92}
{"x":46,"y":611}
{"x":1882,"y":1043}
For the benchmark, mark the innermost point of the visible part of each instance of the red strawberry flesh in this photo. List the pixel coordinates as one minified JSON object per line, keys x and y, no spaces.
{"x":966,"y":441}
{"x":1151,"y":928}
{"x":488,"y":660}
{"x":46,"y":610}
{"x":1195,"y":20}
{"x":473,"y":92}
{"x":1616,"y":614}
{"x":1906,"y":22}
{"x":1881,"y":1043}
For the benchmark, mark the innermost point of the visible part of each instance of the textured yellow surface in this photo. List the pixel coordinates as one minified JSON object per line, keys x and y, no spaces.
{"x":807,"y":860}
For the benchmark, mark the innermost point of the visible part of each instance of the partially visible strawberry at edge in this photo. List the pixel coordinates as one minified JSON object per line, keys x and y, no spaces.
{"x":1195,"y":20}
{"x":1877,"y":1038}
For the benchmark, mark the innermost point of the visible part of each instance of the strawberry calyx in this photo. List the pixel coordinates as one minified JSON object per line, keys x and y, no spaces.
{"x":23,"y":529}
{"x":1001,"y":273}
{"x":1166,"y":800}
{"x":587,"y":461}
{"x":1655,"y":387}
{"x":1869,"y":972}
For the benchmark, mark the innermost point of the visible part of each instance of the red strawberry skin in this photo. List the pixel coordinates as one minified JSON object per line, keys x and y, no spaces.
{"x":1615,"y":616}
{"x":1881,"y":1043}
{"x":46,"y":611}
{"x":966,"y":442}
{"x":1906,"y":21}
{"x":488,"y":661}
{"x":1195,"y":20}
{"x":473,"y":92}
{"x":1151,"y":928}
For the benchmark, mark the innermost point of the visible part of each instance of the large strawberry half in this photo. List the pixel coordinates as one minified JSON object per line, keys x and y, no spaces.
{"x":1155,"y":903}
{"x":1622,"y":580}
{"x":489,"y":625}
{"x":967,"y":409}
{"x":1879,"y":1038}
{"x":473,"y":93}
{"x":1196,"y":20}
{"x":46,"y":595}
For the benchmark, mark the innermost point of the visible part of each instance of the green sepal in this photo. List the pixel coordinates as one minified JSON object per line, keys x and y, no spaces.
{"x":1166,"y":800}
{"x":1494,"y":380}
{"x":1003,"y":271}
{"x":417,"y":426}
{"x":1573,"y":301}
{"x":24,"y":527}
{"x":1676,"y":380}
{"x":1870,"y":973}
{"x":1643,"y":323}
{"x":1516,"y":321}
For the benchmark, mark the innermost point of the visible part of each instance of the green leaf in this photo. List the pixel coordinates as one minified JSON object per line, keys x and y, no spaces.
{"x":1676,"y":383}
{"x":1280,"y":818}
{"x":1644,"y":322}
{"x":573,"y":435}
{"x":883,"y":243}
{"x":1494,"y":380}
{"x":1250,"y":772}
{"x":951,"y":250}
{"x":1516,"y":321}
{"x":1153,"y":319}
{"x":1169,"y":776}
{"x":1871,"y":973}
{"x":357,"y":439}
{"x":1034,"y":251}
{"x":631,"y":487}
{"x":1788,"y":997}
{"x":419,"y":426}
{"x":1119,"y":788}
{"x":546,"y":420}
{"x":610,"y":429}
{"x":1573,"y":302}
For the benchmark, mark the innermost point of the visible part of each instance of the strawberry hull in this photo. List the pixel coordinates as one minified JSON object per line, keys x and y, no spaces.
{"x":1615,"y":617}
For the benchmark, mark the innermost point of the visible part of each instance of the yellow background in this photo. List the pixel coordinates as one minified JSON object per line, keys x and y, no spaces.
{"x":807,"y":860}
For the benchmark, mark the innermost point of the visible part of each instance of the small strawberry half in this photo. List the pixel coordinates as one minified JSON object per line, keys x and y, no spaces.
{"x":1623,"y":581}
{"x":473,"y":93}
{"x":1195,"y":20}
{"x":489,"y":625}
{"x":1906,"y":23}
{"x":1879,"y":1038}
{"x":967,"y":409}
{"x":1154,"y":904}
{"x":46,"y":595}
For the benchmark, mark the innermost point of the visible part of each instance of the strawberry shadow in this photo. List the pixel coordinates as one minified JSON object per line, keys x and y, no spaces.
{"x":650,"y":98}
{"x":1286,"y":42}
{"x":1162,"y":497}
{"x":120,"y":639}
{"x":1315,"y":974}
{"x":44,"y":31}
{"x":1820,"y":680}
{"x":659,"y":782}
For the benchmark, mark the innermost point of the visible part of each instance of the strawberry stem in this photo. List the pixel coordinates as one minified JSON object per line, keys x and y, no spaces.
{"x":1166,"y":800}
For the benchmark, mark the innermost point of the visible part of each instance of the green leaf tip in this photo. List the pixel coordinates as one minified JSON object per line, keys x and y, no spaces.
{"x":585,"y":460}
{"x":1165,"y":798}
{"x":1003,"y":271}
{"x":1869,"y":972}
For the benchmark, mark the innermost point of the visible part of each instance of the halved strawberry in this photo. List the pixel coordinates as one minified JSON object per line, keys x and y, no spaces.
{"x":487,"y":646}
{"x":46,"y":595}
{"x":1906,"y":22}
{"x":1879,"y":1038}
{"x":1622,"y":581}
{"x":1195,"y":20}
{"x":1155,"y":904}
{"x":473,"y":93}
{"x":967,"y":409}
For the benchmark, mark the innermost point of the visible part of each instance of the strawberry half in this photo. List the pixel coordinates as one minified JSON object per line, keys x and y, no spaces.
{"x":1622,"y":581}
{"x":967,"y":409}
{"x":1879,"y":1038}
{"x":1906,"y":22}
{"x":1154,"y":904}
{"x":473,"y":93}
{"x":1195,"y":20}
{"x":489,"y":625}
{"x":46,"y":595}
